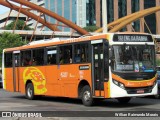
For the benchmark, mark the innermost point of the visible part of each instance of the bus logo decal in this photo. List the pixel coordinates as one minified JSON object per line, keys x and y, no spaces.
{"x":37,"y":78}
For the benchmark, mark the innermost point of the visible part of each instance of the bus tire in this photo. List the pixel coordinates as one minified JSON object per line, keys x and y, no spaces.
{"x":86,"y":96}
{"x":157,"y":96}
{"x":124,"y":100}
{"x":30,"y":91}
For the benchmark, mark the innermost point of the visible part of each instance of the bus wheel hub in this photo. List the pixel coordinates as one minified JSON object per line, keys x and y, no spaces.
{"x":87,"y":95}
{"x":29,"y":92}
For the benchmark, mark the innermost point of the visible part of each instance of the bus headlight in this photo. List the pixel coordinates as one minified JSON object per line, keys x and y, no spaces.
{"x":121,"y":85}
{"x":115,"y":82}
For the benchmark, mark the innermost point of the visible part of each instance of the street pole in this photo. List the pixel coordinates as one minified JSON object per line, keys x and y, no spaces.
{"x":104,"y":16}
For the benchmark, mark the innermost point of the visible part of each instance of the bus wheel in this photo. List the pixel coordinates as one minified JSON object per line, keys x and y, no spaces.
{"x":124,"y":100}
{"x":157,"y":96}
{"x":86,"y":95}
{"x":30,"y":91}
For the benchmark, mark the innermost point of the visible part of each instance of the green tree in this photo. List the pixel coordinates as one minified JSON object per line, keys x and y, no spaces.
{"x":9,"y":40}
{"x":91,"y":28}
{"x":157,"y":62}
{"x":19,"y":25}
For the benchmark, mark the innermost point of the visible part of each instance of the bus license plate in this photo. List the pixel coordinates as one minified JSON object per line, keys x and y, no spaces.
{"x":140,"y":91}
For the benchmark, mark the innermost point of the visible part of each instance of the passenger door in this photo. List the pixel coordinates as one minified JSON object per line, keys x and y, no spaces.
{"x":16,"y":64}
{"x":100,"y":68}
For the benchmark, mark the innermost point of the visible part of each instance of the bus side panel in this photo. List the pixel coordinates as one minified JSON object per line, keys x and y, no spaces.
{"x":58,"y":80}
{"x":9,"y":79}
{"x":53,"y":88}
{"x":17,"y":84}
{"x":69,"y":77}
{"x":21,"y":81}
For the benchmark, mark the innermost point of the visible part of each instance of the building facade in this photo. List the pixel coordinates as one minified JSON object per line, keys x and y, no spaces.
{"x":89,"y":12}
{"x":80,"y":12}
{"x":120,"y":8}
{"x":64,"y":8}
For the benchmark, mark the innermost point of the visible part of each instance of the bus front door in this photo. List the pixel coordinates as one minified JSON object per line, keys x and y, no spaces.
{"x":99,"y":66}
{"x":16,"y":64}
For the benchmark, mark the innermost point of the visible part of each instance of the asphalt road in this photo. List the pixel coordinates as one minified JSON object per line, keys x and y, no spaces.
{"x":17,"y":102}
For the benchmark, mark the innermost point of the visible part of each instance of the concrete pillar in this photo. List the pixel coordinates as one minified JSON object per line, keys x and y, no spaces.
{"x":129,"y":8}
{"x":63,"y":12}
{"x":157,"y":18}
{"x":141,"y":3}
{"x":70,"y":12}
{"x":115,"y":9}
{"x":98,"y":12}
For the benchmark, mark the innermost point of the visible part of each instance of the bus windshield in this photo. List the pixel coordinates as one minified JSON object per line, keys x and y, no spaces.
{"x":137,"y":58}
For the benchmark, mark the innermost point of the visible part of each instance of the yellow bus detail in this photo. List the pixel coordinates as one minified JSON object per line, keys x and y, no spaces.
{"x":37,"y":78}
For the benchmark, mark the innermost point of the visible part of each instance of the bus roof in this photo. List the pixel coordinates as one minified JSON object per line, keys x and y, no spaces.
{"x":59,"y":41}
{"x":56,"y":41}
{"x":132,"y":33}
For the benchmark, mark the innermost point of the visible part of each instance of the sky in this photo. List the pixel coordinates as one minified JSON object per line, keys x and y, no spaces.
{"x":3,"y":9}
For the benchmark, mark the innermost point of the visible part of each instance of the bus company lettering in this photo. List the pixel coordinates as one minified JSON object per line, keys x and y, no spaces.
{"x":71,"y":75}
{"x":37,"y":78}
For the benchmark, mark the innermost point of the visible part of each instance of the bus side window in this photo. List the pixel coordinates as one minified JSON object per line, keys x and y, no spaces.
{"x":65,"y":55}
{"x":51,"y":55}
{"x":38,"y":57}
{"x":26,"y":58}
{"x":8,"y":59}
{"x":77,"y":56}
{"x":81,"y":53}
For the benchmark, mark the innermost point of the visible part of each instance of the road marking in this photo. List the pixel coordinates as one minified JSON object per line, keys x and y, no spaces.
{"x":13,"y":105}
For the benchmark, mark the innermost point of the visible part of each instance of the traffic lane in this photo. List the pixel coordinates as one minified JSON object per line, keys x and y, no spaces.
{"x":17,"y":101}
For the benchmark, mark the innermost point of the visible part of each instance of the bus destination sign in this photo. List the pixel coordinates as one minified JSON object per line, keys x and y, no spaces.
{"x":132,"y":38}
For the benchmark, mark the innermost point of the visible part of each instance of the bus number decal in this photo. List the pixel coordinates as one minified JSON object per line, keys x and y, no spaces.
{"x":37,"y":78}
{"x":64,"y":74}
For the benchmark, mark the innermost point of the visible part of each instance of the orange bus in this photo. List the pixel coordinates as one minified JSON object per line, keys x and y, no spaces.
{"x":113,"y":65}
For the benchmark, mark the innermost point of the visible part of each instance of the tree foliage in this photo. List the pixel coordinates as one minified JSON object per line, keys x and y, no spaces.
{"x":19,"y":25}
{"x":9,"y":40}
{"x":91,"y":28}
{"x":157,"y":62}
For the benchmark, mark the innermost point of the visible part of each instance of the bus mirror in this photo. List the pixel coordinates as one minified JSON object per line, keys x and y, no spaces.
{"x":124,"y":47}
{"x":146,"y":45}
